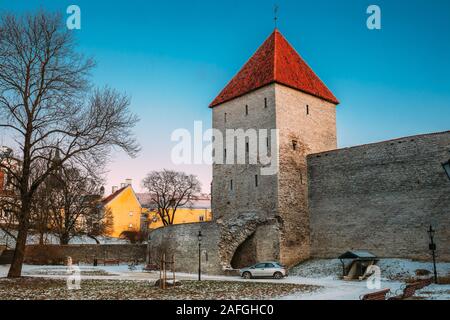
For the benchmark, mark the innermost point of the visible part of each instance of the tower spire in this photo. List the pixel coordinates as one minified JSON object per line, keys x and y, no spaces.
{"x":275,"y":15}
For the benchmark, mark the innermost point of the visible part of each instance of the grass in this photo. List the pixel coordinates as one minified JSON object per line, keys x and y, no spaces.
{"x":55,"y":289}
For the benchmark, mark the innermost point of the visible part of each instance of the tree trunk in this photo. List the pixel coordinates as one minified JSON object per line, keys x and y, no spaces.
{"x":15,"y":271}
{"x":64,"y":239}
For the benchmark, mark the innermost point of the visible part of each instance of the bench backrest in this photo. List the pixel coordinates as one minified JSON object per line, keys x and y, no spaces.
{"x":379,"y":295}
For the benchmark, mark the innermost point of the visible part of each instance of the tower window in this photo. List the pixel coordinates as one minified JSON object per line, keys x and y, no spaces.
{"x":265,"y":102}
{"x":267,"y":142}
{"x":246,"y":110}
{"x":294,"y":144}
{"x":231,"y":184}
{"x":246,"y":147}
{"x":225,"y":117}
{"x":307,"y":109}
{"x":225,"y":155}
{"x":256,"y":180}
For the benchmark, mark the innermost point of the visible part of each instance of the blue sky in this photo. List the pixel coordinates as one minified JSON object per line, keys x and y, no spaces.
{"x":173,"y":58}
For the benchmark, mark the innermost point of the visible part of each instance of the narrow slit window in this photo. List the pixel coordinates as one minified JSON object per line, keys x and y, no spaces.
{"x":256,"y":180}
{"x":294,"y":144}
{"x":307,"y":109}
{"x":246,"y":110}
{"x":265,"y":102}
{"x":225,"y":117}
{"x":231,"y":185}
{"x":267,"y":142}
{"x":225,"y":155}
{"x":246,"y":147}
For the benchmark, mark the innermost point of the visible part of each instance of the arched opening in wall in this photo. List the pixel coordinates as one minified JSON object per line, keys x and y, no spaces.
{"x":245,"y":254}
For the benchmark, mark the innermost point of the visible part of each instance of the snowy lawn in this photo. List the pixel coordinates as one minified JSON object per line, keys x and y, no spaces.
{"x":46,"y":288}
{"x":316,"y":279}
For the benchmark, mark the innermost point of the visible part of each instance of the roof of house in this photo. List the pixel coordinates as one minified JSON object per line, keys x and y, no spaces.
{"x":276,"y":61}
{"x":201,"y":202}
{"x":112,"y":196}
{"x":358,"y":254}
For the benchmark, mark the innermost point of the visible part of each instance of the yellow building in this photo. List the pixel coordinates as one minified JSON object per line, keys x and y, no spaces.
{"x":198,"y":211}
{"x":125,"y":208}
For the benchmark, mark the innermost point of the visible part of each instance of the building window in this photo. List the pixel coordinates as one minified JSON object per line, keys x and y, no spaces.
{"x":246,"y":110}
{"x":265,"y":102}
{"x":225,"y":117}
{"x":246,"y":147}
{"x":131,"y":213}
{"x":225,"y":155}
{"x":201,"y":218}
{"x":267,"y":142}
{"x":307,"y":109}
{"x":256,"y":180}
{"x":231,"y":184}
{"x":294,"y":144}
{"x":130,"y":226}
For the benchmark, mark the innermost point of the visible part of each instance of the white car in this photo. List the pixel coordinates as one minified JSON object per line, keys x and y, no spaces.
{"x":268,"y":269}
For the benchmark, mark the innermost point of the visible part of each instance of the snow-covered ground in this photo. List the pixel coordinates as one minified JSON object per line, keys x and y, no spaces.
{"x":323,"y":273}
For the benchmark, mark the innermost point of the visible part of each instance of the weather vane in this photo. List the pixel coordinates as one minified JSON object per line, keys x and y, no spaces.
{"x":275,"y":12}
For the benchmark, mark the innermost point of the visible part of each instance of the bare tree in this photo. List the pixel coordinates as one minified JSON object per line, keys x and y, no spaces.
{"x":170,"y":190}
{"x":47,"y":103}
{"x":72,"y":199}
{"x":98,"y":222}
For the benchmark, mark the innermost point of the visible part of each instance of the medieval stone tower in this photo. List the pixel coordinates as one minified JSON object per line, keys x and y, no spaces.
{"x":265,"y":217}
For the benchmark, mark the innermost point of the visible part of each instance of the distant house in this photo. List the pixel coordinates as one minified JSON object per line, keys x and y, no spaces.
{"x":199,"y":210}
{"x":125,"y":208}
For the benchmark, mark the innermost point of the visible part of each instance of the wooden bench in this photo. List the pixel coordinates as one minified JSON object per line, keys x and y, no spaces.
{"x":378,"y":295}
{"x":108,"y":261}
{"x":410,"y":289}
{"x":423,"y":283}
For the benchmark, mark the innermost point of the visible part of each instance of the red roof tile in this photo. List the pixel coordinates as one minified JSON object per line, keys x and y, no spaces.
{"x":276,"y":61}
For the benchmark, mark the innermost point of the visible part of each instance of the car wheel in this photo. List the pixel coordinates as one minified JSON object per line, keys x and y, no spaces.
{"x":247,"y":275}
{"x":277,"y":275}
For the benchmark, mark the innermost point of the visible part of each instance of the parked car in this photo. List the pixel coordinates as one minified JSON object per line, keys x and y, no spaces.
{"x":268,"y":269}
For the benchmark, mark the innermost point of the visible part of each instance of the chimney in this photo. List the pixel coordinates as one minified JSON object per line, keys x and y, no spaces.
{"x":114,"y":189}
{"x":128,"y":182}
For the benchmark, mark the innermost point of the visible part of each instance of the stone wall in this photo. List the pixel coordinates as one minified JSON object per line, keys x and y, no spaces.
{"x":181,"y":241}
{"x":310,"y":123}
{"x":85,"y":253}
{"x":381,"y":197}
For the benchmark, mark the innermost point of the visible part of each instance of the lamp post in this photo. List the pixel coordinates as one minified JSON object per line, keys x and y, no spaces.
{"x":432,"y":247}
{"x":199,"y":255}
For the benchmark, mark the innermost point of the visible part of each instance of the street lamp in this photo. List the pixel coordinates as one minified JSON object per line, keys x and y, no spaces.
{"x":199,"y":255}
{"x":432,"y":247}
{"x":446,"y":166}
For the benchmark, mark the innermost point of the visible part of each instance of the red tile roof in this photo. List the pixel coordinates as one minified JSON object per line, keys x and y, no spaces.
{"x":276,"y":61}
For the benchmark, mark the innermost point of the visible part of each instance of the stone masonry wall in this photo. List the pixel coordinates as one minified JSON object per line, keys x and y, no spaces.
{"x":244,"y":197}
{"x":381,"y":197}
{"x":311,"y":123}
{"x":85,"y":253}
{"x":243,"y":208}
{"x":181,"y":241}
